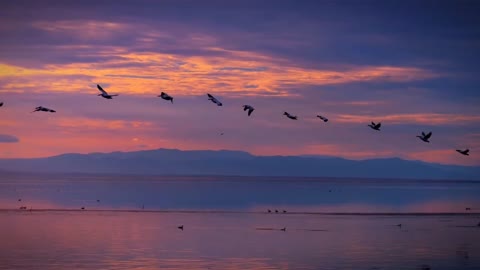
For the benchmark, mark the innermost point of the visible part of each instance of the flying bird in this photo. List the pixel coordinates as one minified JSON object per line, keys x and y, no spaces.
{"x":43,"y":109}
{"x":375,"y":126}
{"x":104,"y":93}
{"x":214,"y":100}
{"x":323,"y":118}
{"x":166,"y":96}
{"x":425,"y":137}
{"x":464,"y":152}
{"x":293,"y":117}
{"x":249,"y":108}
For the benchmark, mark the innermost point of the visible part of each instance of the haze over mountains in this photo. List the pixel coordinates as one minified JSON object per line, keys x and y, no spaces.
{"x":224,"y":162}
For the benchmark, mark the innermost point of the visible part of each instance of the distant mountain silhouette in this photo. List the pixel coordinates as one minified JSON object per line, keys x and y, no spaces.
{"x":177,"y":162}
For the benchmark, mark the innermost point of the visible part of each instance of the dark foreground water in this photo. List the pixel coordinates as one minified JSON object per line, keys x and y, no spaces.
{"x":329,"y":224}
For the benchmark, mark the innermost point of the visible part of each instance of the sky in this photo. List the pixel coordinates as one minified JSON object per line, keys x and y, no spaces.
{"x":411,"y":65}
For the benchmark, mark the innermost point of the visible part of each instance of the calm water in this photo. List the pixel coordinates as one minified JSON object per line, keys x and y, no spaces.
{"x":242,"y":235}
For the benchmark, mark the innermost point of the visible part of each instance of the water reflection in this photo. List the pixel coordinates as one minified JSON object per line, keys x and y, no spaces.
{"x":237,"y":194}
{"x":113,"y":240}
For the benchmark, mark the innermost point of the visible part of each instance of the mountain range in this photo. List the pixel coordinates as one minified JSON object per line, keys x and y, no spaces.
{"x":225,"y":162}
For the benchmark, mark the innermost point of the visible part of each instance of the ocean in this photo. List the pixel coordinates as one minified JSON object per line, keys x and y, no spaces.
{"x":132,"y":222}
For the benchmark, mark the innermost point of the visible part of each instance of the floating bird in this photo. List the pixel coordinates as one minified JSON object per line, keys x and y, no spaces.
{"x":180,"y":227}
{"x":98,"y":201}
{"x":269,"y":211}
{"x":468,"y":209}
{"x":293,"y":117}
{"x":249,"y":108}
{"x":214,"y":100}
{"x":43,"y":109}
{"x":425,"y":137}
{"x":23,"y":208}
{"x":323,"y":118}
{"x":166,"y":96}
{"x":1,"y":104}
{"x":104,"y":93}
{"x":464,"y":152}
{"x":284,"y":211}
{"x":284,"y":229}
{"x":375,"y":126}
{"x":276,"y":211}
{"x":478,"y":225}
{"x":83,"y":208}
{"x":19,"y":200}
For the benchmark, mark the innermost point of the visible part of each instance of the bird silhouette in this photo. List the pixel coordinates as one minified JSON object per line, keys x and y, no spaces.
{"x":424,"y":137}
{"x":43,"y":109}
{"x":323,"y":118}
{"x":284,"y":229}
{"x":293,"y":117}
{"x":104,"y":93}
{"x":180,"y":227}
{"x":269,"y":211}
{"x":166,"y":96}
{"x":214,"y":100}
{"x":249,"y":108}
{"x":464,"y":152}
{"x":375,"y":126}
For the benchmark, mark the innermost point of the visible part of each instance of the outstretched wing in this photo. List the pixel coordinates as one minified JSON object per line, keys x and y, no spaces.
{"x":428,"y":135}
{"x":378,"y":125}
{"x":467,"y":150}
{"x":101,"y":89}
{"x":250,"y":111}
{"x":210,"y":96}
{"x":423,"y":134}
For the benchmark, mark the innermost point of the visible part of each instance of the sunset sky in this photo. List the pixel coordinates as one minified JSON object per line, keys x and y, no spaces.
{"x":412,"y":65}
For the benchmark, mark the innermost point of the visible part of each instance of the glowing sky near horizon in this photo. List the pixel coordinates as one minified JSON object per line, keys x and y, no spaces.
{"x":412,"y":66}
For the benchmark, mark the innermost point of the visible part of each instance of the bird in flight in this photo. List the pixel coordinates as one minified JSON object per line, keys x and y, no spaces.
{"x":166,"y":96}
{"x":293,"y":117}
{"x":249,"y":108}
{"x":214,"y":100}
{"x":375,"y":126}
{"x":323,"y":118}
{"x":464,"y":152}
{"x":104,"y":93}
{"x":425,"y":137}
{"x":43,"y":109}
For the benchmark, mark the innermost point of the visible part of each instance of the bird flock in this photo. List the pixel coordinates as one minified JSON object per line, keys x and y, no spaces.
{"x":249,"y":109}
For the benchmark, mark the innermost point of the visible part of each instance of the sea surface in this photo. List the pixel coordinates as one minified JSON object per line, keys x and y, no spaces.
{"x":131,"y":222}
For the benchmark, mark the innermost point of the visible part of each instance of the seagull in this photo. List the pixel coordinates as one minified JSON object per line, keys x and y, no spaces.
{"x":214,"y":100}
{"x":249,"y":108}
{"x":166,"y":96}
{"x":375,"y":126}
{"x":293,"y":117}
{"x":43,"y":109}
{"x":104,"y":93}
{"x":464,"y":152}
{"x":323,"y":118}
{"x":425,"y":137}
{"x":180,"y":227}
